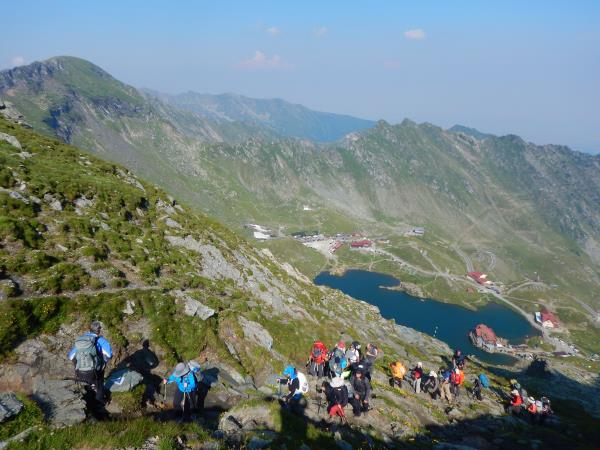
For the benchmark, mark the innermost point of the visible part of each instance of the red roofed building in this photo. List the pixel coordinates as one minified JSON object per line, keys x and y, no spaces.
{"x":480,"y":277}
{"x":549,"y":319}
{"x":359,"y":244}
{"x":486,"y":333}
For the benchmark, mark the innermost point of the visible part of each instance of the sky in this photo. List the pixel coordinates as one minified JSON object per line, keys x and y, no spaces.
{"x":530,"y":68}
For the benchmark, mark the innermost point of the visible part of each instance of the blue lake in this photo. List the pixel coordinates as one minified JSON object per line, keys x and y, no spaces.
{"x":449,"y":323}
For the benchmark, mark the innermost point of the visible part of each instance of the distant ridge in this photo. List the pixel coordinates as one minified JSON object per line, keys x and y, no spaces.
{"x":470,"y":132}
{"x":282,"y":117}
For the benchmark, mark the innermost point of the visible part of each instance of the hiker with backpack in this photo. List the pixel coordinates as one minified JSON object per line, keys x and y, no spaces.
{"x":369,"y":359}
{"x":90,"y":355}
{"x":336,"y":394}
{"x":532,"y":410}
{"x":317,"y":359}
{"x":185,"y":398}
{"x":398,"y":372}
{"x":445,"y":391}
{"x":457,"y":379}
{"x":516,"y":403}
{"x":297,"y":385}
{"x":546,"y":410}
{"x":480,"y":383}
{"x":431,"y":385}
{"x":458,"y":359}
{"x":416,"y":376}
{"x":337,"y":360}
{"x":361,"y":388}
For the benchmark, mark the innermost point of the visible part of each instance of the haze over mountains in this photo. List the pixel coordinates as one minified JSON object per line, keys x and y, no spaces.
{"x":535,"y":206}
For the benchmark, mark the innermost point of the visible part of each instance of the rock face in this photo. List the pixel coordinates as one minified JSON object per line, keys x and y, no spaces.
{"x":255,"y":332}
{"x":193,"y":307}
{"x":11,"y":140}
{"x":10,"y":406}
{"x":123,"y":380}
{"x":61,"y":401}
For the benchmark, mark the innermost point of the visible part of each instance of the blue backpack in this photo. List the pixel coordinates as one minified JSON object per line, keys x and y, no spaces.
{"x":483,"y":379}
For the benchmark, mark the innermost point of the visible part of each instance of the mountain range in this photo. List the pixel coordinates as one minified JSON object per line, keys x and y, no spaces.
{"x":534,"y":208}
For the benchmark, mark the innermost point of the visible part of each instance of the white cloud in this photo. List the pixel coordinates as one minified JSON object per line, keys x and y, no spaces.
{"x":392,"y":64}
{"x":416,"y":34}
{"x":18,"y":61}
{"x":273,"y":31}
{"x":261,"y":61}
{"x":320,"y":31}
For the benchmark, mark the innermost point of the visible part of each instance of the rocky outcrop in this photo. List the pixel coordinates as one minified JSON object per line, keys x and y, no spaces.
{"x":61,"y":401}
{"x":192,"y":307}
{"x":256,"y":332}
{"x":123,"y":380}
{"x":10,"y":406}
{"x":11,"y":140}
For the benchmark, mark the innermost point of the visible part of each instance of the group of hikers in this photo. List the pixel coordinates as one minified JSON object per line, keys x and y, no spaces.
{"x":445,"y":384}
{"x":346,"y":372}
{"x":522,"y":404}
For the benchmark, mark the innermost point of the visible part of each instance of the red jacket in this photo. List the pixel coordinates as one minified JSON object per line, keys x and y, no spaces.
{"x":318,"y":353}
{"x":516,"y":400}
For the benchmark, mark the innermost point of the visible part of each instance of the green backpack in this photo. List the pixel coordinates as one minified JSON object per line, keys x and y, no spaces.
{"x":86,"y":354}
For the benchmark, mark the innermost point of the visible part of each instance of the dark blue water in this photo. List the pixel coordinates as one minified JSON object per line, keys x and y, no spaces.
{"x":452,"y":322}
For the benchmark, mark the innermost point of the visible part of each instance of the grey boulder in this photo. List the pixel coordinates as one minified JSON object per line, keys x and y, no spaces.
{"x":123,"y":380}
{"x":10,"y":406}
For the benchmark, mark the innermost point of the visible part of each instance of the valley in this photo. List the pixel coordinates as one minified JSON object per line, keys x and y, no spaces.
{"x":198,"y":223}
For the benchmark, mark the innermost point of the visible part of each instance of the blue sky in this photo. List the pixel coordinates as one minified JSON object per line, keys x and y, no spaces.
{"x":529,"y":68}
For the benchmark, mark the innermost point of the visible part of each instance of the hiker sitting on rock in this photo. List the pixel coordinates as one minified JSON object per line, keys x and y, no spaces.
{"x":187,"y":387}
{"x":362,"y":392}
{"x":90,"y":354}
{"x":398,"y":373}
{"x":297,"y":385}
{"x":336,"y":394}
{"x":431,"y":385}
{"x":417,"y":375}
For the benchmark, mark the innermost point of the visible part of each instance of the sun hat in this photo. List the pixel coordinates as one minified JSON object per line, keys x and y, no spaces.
{"x":289,"y":371}
{"x":420,"y":364}
{"x":336,"y":382}
{"x":181,"y":369}
{"x":514,"y":392}
{"x":531,"y":400}
{"x":433,"y":374}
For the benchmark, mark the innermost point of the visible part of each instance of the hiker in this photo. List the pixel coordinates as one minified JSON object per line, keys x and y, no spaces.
{"x":516,"y":402}
{"x":337,"y":360}
{"x":445,"y":392}
{"x":317,"y":360}
{"x":297,"y":385}
{"x":458,"y":359}
{"x":369,"y":359}
{"x":532,"y":410}
{"x":457,"y":379}
{"x":90,"y":355}
{"x":431,"y":385}
{"x":476,"y":391}
{"x":546,"y":410}
{"x":187,"y":386}
{"x":398,"y":373}
{"x":417,"y":375}
{"x":336,"y":394}
{"x":514,"y":384}
{"x":362,"y":392}
{"x":353,"y":354}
